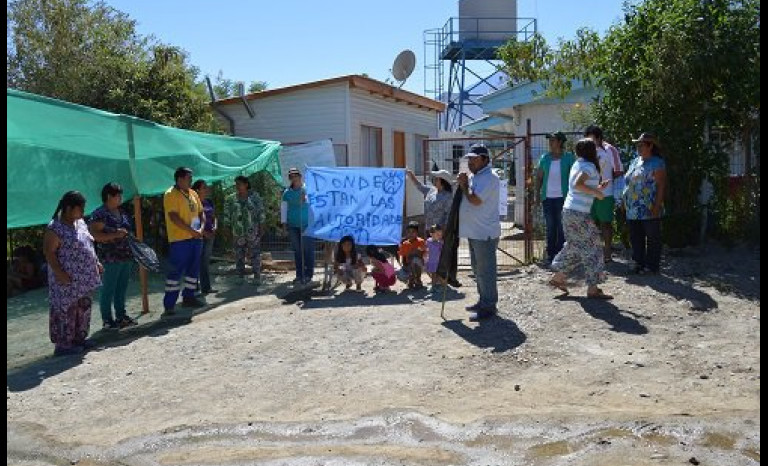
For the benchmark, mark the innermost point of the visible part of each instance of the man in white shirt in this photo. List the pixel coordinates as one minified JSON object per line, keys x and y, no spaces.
{"x":479,"y":223}
{"x":602,"y":210}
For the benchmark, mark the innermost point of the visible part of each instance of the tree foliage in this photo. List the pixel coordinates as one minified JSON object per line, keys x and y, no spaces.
{"x":90,"y":53}
{"x":678,"y":68}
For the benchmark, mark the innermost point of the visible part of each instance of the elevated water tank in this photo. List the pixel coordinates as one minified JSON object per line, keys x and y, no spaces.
{"x":487,"y":20}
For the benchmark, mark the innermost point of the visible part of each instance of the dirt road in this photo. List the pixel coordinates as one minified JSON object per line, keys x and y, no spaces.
{"x":666,"y":373}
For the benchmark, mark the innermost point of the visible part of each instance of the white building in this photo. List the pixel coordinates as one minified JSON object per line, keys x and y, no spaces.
{"x":507,"y":110}
{"x":369,"y":122}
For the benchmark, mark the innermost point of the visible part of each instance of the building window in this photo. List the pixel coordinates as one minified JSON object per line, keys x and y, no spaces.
{"x":418,"y":164}
{"x":371,"y":146}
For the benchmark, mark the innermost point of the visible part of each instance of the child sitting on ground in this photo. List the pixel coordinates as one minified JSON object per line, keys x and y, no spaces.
{"x":434,"y":246}
{"x":348,"y":263}
{"x":411,"y":252}
{"x":383,"y":272}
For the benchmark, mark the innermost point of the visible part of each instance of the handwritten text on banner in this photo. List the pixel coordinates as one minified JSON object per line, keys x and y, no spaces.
{"x":365,"y":203}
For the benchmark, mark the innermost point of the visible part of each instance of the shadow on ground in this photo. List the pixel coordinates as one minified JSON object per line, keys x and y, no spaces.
{"x":497,"y":332}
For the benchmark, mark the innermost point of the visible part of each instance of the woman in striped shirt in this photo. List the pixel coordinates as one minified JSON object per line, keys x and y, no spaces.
{"x":583,"y":245}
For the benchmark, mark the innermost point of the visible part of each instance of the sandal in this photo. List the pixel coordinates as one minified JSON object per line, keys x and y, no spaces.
{"x":558,"y":284}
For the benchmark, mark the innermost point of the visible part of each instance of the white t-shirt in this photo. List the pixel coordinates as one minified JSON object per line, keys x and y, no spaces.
{"x":554,"y":183}
{"x":606,"y":169}
{"x":579,"y":200}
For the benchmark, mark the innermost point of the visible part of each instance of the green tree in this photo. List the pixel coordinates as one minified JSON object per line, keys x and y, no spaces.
{"x":677,"y":68}
{"x":90,"y":53}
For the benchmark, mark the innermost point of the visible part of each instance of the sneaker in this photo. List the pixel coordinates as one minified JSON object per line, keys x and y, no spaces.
{"x":209,"y":291}
{"x":126,"y":321}
{"x":454,"y":283}
{"x":110,"y":325}
{"x":192,"y":302}
{"x":168,"y":313}
{"x":482,"y":315}
{"x":473,"y":308}
{"x":297,"y":281}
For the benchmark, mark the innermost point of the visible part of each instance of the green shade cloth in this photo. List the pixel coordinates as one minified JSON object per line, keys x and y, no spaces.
{"x":55,"y":146}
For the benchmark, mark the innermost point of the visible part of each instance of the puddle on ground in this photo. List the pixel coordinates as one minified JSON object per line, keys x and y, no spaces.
{"x":716,"y":440}
{"x":405,"y":438}
{"x":755,"y":455}
{"x":548,"y":450}
{"x":409,"y":455}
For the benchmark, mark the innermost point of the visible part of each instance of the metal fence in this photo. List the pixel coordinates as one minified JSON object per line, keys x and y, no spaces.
{"x":539,"y":144}
{"x":522,"y":238}
{"x":446,"y":154}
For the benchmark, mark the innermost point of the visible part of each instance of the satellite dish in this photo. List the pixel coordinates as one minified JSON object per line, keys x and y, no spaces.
{"x":403,"y":66}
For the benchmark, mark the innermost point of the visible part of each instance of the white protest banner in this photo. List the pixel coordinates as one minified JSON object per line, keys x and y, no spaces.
{"x":365,"y":203}
{"x":315,"y":153}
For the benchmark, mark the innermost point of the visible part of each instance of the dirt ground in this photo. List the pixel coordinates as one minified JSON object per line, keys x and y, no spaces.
{"x":668,"y":373}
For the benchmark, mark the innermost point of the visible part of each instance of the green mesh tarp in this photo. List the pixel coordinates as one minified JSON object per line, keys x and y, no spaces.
{"x":54,"y":147}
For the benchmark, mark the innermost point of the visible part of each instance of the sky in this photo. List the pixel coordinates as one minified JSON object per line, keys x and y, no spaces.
{"x":288,"y":42}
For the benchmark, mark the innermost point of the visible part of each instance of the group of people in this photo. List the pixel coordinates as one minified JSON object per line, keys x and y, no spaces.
{"x":581,"y":194}
{"x":415,"y":256}
{"x":477,"y":219}
{"x":578,"y":194}
{"x":83,"y":257}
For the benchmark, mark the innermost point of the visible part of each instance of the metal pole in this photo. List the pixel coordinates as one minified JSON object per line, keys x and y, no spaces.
{"x":448,"y":100}
{"x":301,"y":232}
{"x":527,"y":198}
{"x":461,"y":90}
{"x":142,"y":270}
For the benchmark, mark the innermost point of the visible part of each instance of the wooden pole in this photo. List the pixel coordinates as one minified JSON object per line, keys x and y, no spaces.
{"x":442,"y":307}
{"x":142,"y":270}
{"x":137,"y":213}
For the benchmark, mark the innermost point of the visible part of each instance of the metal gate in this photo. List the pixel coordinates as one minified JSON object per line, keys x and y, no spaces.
{"x":522,"y":238}
{"x":510,"y":158}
